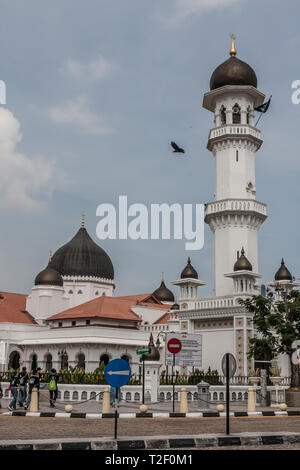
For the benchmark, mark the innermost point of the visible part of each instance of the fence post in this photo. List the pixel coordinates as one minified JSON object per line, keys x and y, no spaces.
{"x":106,"y":401}
{"x":251,"y":400}
{"x":183,"y":401}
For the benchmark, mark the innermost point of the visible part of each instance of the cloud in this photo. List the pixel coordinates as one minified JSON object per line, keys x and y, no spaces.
{"x":77,"y":113}
{"x":96,"y":69}
{"x":184,"y":8}
{"x":23,"y":181}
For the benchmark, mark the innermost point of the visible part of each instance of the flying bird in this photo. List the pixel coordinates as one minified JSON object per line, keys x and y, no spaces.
{"x":176,"y":148}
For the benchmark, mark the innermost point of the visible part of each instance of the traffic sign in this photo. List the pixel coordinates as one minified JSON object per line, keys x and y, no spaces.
{"x":232,"y":365}
{"x":143,"y":351}
{"x":117,"y":372}
{"x":174,"y":345}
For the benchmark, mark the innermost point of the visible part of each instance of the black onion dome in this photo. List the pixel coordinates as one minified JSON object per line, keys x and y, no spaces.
{"x":81,"y":256}
{"x":242,"y":264}
{"x":163,"y":293}
{"x":48,"y":277}
{"x":154,"y":352}
{"x":233,"y":72}
{"x":189,"y":271}
{"x":283,"y":274}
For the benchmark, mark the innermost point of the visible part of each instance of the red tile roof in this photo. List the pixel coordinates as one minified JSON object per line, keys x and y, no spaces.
{"x":12,"y":309}
{"x":101,"y":307}
{"x":162,"y":320}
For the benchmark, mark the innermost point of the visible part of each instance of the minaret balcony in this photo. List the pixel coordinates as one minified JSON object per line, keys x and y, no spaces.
{"x":234,"y":132}
{"x":225,"y":206}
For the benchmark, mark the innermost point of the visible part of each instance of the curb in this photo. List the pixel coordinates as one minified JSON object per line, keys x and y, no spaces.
{"x":161,"y":443}
{"x":237,"y":414}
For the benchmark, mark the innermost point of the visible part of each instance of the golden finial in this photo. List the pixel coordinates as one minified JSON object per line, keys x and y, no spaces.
{"x":82,"y":220}
{"x":162,"y":277}
{"x":233,"y":49}
{"x":50,"y":256}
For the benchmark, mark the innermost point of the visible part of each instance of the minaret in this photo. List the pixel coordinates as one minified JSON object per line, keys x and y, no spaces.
{"x":235,"y":216}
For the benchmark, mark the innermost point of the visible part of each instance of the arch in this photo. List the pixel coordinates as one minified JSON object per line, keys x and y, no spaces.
{"x":162,"y":396}
{"x":14,"y":360}
{"x":84,"y":396}
{"x":136,"y":396}
{"x":128,"y":396}
{"x":223,"y":114}
{"x":215,"y":396}
{"x":64,"y":364}
{"x":66,"y":395}
{"x":75,"y":396}
{"x":80,"y":360}
{"x":126,"y":358}
{"x":34,"y":362}
{"x":189,"y":396}
{"x":248,"y":114}
{"x":169,"y":396}
{"x":70,"y":291}
{"x":93,"y":396}
{"x":233,"y":396}
{"x":221,"y":395}
{"x":236,"y":114}
{"x":147,"y":396}
{"x":48,"y":362}
{"x":104,"y":358}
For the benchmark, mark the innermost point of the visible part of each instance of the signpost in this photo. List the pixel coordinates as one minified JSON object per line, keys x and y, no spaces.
{"x":117,"y":373}
{"x":229,"y":369}
{"x":174,"y":346}
{"x":190,"y":354}
{"x":143,"y":351}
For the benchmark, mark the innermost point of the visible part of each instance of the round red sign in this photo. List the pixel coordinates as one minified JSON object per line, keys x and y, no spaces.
{"x":174,"y":345}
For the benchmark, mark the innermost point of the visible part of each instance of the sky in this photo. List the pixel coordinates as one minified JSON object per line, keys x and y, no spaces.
{"x":96,"y":91}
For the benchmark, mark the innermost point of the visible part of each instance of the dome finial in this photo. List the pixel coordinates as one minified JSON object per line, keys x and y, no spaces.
{"x":50,"y":256}
{"x":233,"y":49}
{"x":162,"y":277}
{"x":82,"y":220}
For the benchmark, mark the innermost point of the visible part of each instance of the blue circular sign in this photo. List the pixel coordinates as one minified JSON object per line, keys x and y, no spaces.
{"x":117,"y":373}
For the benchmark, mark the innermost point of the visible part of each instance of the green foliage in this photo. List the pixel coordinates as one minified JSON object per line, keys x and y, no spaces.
{"x":211,"y":376}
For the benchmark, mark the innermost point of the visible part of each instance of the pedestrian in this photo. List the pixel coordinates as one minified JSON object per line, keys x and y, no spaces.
{"x":1,"y":394}
{"x":34,"y":382}
{"x":14,"y":388}
{"x":23,"y":387}
{"x":53,"y":387}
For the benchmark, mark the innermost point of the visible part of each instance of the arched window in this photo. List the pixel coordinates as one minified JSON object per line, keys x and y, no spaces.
{"x":96,"y":293}
{"x":80,"y":292}
{"x":248,"y":114}
{"x":14,"y":360}
{"x":125,"y":357}
{"x":81,"y":361}
{"x":223,"y":114}
{"x":48,"y":359}
{"x":70,"y":291}
{"x":34,"y":363}
{"x":103,"y":293}
{"x":104,"y":358}
{"x":236,"y":114}
{"x":64,"y":360}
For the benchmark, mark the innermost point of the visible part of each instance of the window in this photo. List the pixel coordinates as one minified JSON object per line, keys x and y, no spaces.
{"x":64,"y":360}
{"x":81,"y":361}
{"x":70,"y":291}
{"x":88,"y":322}
{"x":104,"y":358}
{"x":223,"y":115}
{"x":103,"y":293}
{"x":248,"y":114}
{"x":34,"y":363}
{"x":60,"y":323}
{"x":236,"y":114}
{"x":237,"y":156}
{"x":96,"y":293}
{"x":48,"y":359}
{"x":80,"y":292}
{"x":73,"y":323}
{"x":14,"y":360}
{"x":125,"y":357}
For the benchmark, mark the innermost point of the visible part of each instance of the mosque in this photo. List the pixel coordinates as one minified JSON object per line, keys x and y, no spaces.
{"x":72,"y":317}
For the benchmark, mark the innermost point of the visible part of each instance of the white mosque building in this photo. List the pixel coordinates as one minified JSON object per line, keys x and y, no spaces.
{"x":72,"y":317}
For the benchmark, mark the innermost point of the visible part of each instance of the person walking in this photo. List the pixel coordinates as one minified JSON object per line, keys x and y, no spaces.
{"x":34,"y":382}
{"x":53,"y":390}
{"x":23,"y":387}
{"x":14,"y":388}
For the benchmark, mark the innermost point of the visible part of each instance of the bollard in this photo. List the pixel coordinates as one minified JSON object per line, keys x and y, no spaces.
{"x":106,"y":401}
{"x":251,"y":399}
{"x":34,"y":402}
{"x":183,"y":401}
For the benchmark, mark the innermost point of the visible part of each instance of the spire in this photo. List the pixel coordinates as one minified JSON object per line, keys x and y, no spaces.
{"x":82,"y":220}
{"x":162,"y":277}
{"x":233,"y":49}
{"x":50,"y":256}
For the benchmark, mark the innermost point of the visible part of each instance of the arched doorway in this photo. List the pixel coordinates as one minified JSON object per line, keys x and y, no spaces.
{"x":48,"y":362}
{"x":125,"y":357}
{"x":64,"y":363}
{"x":81,"y":361}
{"x":104,"y":358}
{"x":14,"y":360}
{"x":34,"y":362}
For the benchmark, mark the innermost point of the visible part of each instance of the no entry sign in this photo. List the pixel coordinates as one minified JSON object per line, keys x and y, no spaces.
{"x":174,"y":345}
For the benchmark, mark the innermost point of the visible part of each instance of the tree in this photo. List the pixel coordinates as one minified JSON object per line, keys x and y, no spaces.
{"x":277,"y":323}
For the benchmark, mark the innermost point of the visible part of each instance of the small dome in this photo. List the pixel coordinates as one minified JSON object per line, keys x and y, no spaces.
{"x":175,"y":307}
{"x":154,"y":352}
{"x":48,"y":277}
{"x":242,"y":263}
{"x":163,"y":293}
{"x":189,"y":271}
{"x":283,"y":274}
{"x":81,"y":256}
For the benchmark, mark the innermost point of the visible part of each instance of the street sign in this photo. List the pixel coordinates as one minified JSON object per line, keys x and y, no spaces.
{"x":232,"y":365}
{"x":174,"y":345}
{"x":143,"y":351}
{"x":117,"y":372}
{"x":191,"y":351}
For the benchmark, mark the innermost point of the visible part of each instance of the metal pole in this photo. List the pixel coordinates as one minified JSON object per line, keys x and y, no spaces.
{"x":143,"y":394}
{"x":116,"y":412}
{"x":227,"y":395}
{"x":173,"y":383}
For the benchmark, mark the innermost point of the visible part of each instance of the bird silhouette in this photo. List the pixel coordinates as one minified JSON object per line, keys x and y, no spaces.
{"x":176,"y":148}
